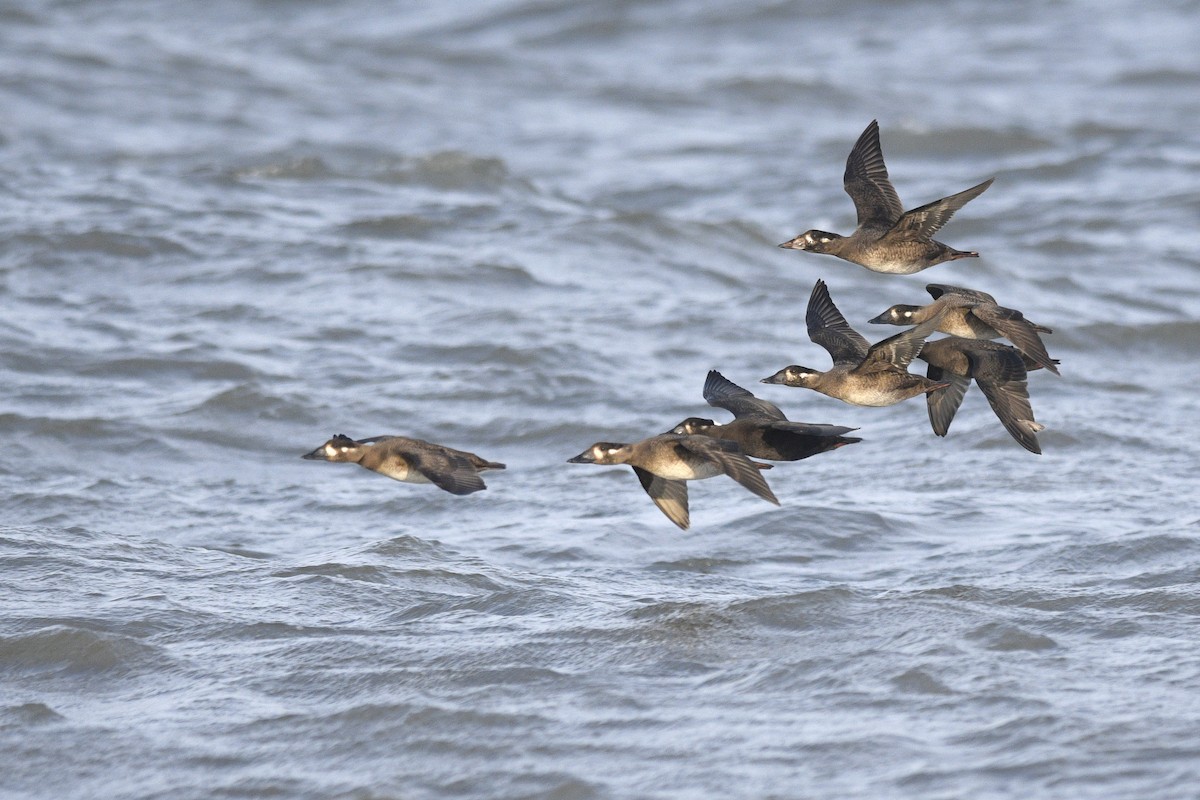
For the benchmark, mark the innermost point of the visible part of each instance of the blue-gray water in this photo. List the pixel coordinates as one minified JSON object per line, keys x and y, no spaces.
{"x":232,"y":229}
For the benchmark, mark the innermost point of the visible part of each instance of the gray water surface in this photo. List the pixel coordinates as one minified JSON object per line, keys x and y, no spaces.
{"x":231,"y":230}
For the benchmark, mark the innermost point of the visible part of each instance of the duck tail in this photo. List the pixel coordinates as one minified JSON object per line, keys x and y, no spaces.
{"x":957,"y":254}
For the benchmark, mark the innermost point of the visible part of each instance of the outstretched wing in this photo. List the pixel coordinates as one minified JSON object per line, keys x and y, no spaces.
{"x":736,"y":465}
{"x":922,"y":223}
{"x":943,"y":403}
{"x":936,"y":290}
{"x":828,"y":328}
{"x":670,"y":496}
{"x":810,"y":428}
{"x":866,"y":181}
{"x":899,"y":350}
{"x":1018,"y":330}
{"x":1001,"y":376}
{"x":721,"y":392}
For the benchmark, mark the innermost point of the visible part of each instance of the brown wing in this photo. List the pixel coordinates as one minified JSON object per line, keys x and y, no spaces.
{"x":746,"y":472}
{"x":943,"y":403}
{"x":922,"y":223}
{"x":1018,"y":330}
{"x":936,"y":290}
{"x":866,"y":181}
{"x":446,"y":470}
{"x":670,"y":496}
{"x":1001,"y":376}
{"x":828,"y":328}
{"x":721,"y":392}
{"x":898,"y":351}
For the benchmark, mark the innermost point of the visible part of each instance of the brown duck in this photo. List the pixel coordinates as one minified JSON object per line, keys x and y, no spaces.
{"x":665,"y":463}
{"x":863,"y":374}
{"x":888,"y":238}
{"x":409,"y":460}
{"x":972,"y":314}
{"x":999,"y":370}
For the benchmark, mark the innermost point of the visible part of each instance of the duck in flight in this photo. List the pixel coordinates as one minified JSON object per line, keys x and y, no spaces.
{"x":863,"y":374}
{"x":972,"y":314}
{"x":759,"y":428}
{"x":999,"y":370}
{"x":665,"y":463}
{"x":888,"y":239}
{"x":409,"y":460}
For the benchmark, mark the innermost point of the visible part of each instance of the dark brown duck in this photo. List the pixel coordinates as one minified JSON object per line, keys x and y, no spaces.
{"x":759,"y":428}
{"x":998,"y":370}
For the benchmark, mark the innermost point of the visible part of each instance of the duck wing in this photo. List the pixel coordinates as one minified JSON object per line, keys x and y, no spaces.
{"x":809,"y":428}
{"x":923,"y":222}
{"x":1001,"y":376}
{"x":721,"y":392}
{"x":735,"y":464}
{"x":447,"y":470}
{"x":897,"y":352}
{"x":670,"y":496}
{"x":1018,"y":330}
{"x":936,"y":290}
{"x":866,"y":181}
{"x":828,"y":328}
{"x":943,"y":403}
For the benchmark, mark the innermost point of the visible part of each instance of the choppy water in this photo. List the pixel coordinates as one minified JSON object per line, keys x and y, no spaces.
{"x":231,"y":230}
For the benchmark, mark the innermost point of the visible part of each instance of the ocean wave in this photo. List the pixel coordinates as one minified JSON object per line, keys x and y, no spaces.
{"x":68,"y":650}
{"x":98,"y":241}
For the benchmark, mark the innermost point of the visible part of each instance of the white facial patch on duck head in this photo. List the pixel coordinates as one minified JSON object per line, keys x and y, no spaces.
{"x":335,"y":452}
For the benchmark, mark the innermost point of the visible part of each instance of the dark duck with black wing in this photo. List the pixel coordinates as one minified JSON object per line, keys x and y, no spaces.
{"x":759,"y":428}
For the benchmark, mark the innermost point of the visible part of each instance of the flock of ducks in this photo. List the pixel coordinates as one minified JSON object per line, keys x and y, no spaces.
{"x":888,"y":240}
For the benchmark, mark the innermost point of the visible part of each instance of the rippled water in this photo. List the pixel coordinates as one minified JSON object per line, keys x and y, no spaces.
{"x":231,"y":230}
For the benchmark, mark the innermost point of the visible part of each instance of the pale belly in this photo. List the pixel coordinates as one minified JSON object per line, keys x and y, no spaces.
{"x":871,"y":394}
{"x":688,"y":472}
{"x":399,"y":470}
{"x":891,"y":266}
{"x":957,"y":326}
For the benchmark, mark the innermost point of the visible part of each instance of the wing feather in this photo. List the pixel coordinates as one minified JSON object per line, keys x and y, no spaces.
{"x":828,"y":328}
{"x":866,"y":181}
{"x":721,"y":392}
{"x":670,"y":496}
{"x":923,"y":222}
